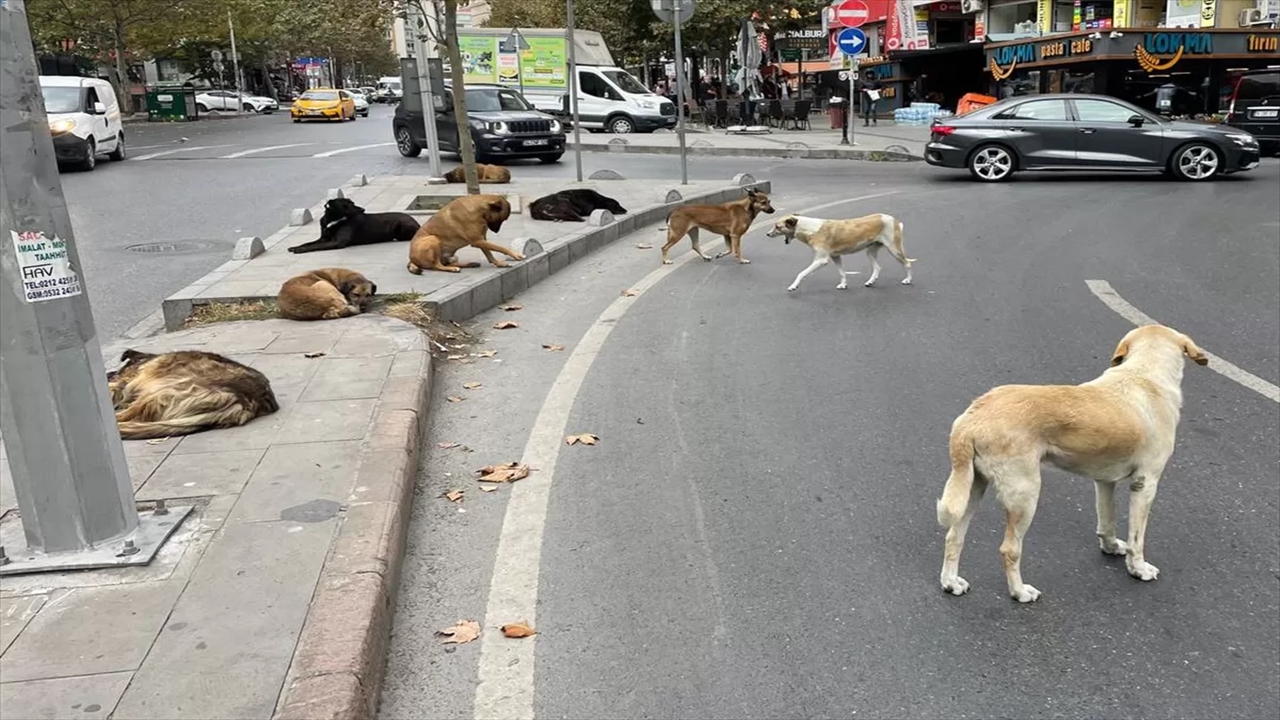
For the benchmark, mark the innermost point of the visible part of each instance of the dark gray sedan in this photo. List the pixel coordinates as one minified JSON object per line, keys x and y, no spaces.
{"x":1084,"y":132}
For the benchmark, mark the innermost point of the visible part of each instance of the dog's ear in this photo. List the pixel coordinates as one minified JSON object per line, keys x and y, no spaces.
{"x":791,"y":221}
{"x":373,"y":288}
{"x":1193,"y":351}
{"x":1122,"y":352}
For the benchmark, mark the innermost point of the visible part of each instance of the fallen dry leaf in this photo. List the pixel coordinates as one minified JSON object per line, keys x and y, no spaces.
{"x":314,"y":355}
{"x":628,"y":293}
{"x":518,"y":630}
{"x":487,"y":488}
{"x":553,"y":348}
{"x":506,"y":325}
{"x":447,"y":445}
{"x":472,"y":385}
{"x":455,"y":357}
{"x":584,"y":438}
{"x":455,"y":398}
{"x":453,"y":496}
{"x":487,"y":353}
{"x":463,"y":632}
{"x":512,"y":308}
{"x":466,"y":361}
{"x":506,"y":473}
{"x":644,"y":246}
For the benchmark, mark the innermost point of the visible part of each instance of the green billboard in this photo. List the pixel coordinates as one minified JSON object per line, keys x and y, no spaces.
{"x":542,"y":66}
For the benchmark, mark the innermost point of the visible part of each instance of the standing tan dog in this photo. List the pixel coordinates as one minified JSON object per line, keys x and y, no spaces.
{"x":180,"y":393}
{"x":832,"y":238}
{"x":325,"y":294}
{"x":488,"y":174}
{"x":1118,"y":427}
{"x":731,"y":219}
{"x":461,"y":223}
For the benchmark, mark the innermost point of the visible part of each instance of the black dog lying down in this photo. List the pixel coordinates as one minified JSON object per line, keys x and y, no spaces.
{"x":346,"y":223}
{"x":573,"y":205}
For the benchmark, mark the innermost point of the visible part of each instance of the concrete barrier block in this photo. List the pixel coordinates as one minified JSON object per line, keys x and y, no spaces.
{"x":176,"y":312}
{"x":700,"y":143}
{"x":359,"y":181}
{"x":527,"y":246}
{"x":515,"y":280}
{"x":335,"y":194}
{"x":538,"y":268}
{"x":744,"y":179}
{"x":248,"y":248}
{"x":486,"y":294}
{"x":605,"y":175}
{"x":600,"y":218}
{"x":618,"y":142}
{"x":299,"y":217}
{"x":672,"y":196}
{"x":558,"y":259}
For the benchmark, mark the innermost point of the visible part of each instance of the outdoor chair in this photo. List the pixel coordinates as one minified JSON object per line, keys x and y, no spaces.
{"x":721,"y":112}
{"x":800,"y":115}
{"x":776,"y":114}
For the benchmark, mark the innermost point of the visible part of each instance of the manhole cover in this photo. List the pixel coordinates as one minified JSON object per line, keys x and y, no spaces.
{"x":181,"y":246}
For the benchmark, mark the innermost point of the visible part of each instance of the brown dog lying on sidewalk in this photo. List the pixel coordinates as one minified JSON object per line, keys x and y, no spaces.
{"x":325,"y":294}
{"x":462,"y":222}
{"x":488,"y":174}
{"x":180,"y":393}
{"x":731,"y":219}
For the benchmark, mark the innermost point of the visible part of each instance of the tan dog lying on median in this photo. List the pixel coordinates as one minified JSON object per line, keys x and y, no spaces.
{"x":731,"y":219}
{"x":1119,"y":427}
{"x":325,"y":294}
{"x":461,"y":223}
{"x":488,"y":174}
{"x":830,"y":239}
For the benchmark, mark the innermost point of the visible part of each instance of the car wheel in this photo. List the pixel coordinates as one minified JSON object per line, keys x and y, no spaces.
{"x":354,"y":115}
{"x":90,"y":158}
{"x":405,"y":143}
{"x":991,"y":163}
{"x":550,"y":159}
{"x":119,"y":153}
{"x":621,"y":125}
{"x":297,"y":120}
{"x":1196,"y":161}
{"x":201,"y":107}
{"x":249,"y":108}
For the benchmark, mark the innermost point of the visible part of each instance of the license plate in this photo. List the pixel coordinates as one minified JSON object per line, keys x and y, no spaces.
{"x":315,"y":112}
{"x":1267,"y":113}
{"x":534,"y":143}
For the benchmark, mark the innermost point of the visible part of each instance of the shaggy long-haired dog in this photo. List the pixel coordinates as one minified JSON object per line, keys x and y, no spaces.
{"x":345,"y":223}
{"x":573,"y":205}
{"x":185,"y":392}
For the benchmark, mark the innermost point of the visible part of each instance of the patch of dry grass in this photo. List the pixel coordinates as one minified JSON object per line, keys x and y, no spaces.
{"x":445,"y":336}
{"x":231,"y":312}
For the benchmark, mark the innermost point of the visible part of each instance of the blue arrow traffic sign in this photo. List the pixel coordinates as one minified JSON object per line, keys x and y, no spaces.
{"x":851,"y":41}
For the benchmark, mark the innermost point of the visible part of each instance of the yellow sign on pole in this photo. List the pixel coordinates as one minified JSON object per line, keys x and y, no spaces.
{"x":1044,"y":16}
{"x":1208,"y":13}
{"x":1120,"y":14}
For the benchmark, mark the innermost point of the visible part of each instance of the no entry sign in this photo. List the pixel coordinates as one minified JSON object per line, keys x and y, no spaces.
{"x":852,"y":13}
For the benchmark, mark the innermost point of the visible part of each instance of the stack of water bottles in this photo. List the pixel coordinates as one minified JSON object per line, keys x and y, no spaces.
{"x":919,"y":114}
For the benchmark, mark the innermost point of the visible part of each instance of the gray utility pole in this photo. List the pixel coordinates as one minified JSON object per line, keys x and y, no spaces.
{"x":56,"y":416}
{"x":570,"y":44}
{"x":424,"y":86}
{"x":235,"y":62}
{"x":678,"y":12}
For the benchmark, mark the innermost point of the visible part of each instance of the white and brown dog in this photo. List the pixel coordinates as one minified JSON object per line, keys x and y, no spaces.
{"x":830,"y":239}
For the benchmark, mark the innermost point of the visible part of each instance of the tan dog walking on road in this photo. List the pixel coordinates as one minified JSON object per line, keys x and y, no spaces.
{"x":1119,"y":427}
{"x":830,"y":239}
{"x":731,"y":219}
{"x":462,"y":222}
{"x":325,"y":294}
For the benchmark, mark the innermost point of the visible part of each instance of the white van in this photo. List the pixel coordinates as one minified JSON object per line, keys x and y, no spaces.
{"x":389,"y":90}
{"x":84,"y":119}
{"x":612,"y":100}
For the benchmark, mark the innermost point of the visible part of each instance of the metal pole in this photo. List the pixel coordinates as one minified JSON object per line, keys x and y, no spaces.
{"x":428,"y":98}
{"x":573,"y":85}
{"x":59,"y":427}
{"x":676,"y":6}
{"x":519,"y":66}
{"x":847,"y":137}
{"x":235,"y":61}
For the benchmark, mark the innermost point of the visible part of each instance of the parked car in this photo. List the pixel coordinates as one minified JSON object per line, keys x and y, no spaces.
{"x":361,"y":101}
{"x":1255,"y":107}
{"x":230,"y":100}
{"x":503,"y":125}
{"x":389,"y":90}
{"x":323,"y":104}
{"x":84,"y":119}
{"x":1084,"y":132}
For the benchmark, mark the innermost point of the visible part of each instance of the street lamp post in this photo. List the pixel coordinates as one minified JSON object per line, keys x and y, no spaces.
{"x":570,"y":43}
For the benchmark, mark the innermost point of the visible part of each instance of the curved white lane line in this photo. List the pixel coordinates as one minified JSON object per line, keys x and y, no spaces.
{"x":1104,"y":292}
{"x":255,"y":151}
{"x":175,"y":151}
{"x":353,"y":148}
{"x":505,"y":674}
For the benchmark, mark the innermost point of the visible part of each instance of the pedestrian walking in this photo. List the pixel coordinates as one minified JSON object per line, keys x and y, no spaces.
{"x":871,"y":89}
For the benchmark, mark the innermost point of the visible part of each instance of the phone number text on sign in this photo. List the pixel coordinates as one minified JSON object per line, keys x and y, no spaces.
{"x":45,"y":266}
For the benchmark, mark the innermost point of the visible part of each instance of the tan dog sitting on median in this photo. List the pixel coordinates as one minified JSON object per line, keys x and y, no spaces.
{"x":830,"y":239}
{"x":1118,"y":427}
{"x":488,"y":174}
{"x":462,"y":222}
{"x":325,"y":294}
{"x":731,"y":219}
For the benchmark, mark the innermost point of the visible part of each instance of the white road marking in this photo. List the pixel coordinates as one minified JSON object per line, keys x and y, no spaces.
{"x":331,"y":153}
{"x":255,"y":151}
{"x":505,"y":673}
{"x":1103,"y":290}
{"x":179,"y":150}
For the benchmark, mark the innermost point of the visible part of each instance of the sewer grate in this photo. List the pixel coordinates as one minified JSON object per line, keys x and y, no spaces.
{"x":167,"y":248}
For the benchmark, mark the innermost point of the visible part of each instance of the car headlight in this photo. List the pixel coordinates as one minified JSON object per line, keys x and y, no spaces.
{"x":58,"y":127}
{"x":649,"y":104}
{"x":1243,"y":140}
{"x":499,"y":128}
{"x":556,"y":126}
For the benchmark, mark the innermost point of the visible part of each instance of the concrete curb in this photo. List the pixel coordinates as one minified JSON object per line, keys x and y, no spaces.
{"x":807,"y":152}
{"x":338,"y":665}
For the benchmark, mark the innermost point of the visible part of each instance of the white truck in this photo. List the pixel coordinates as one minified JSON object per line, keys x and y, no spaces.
{"x":609,"y":98}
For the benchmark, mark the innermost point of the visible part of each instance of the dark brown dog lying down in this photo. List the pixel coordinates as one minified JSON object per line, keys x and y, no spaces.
{"x":573,"y":205}
{"x":325,"y":294}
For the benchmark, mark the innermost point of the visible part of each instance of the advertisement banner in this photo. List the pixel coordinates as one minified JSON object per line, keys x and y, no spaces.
{"x":479,"y":59}
{"x":1044,"y":16}
{"x":1120,"y":14}
{"x":1182,"y":14}
{"x":544,"y":64}
{"x":1208,"y":13}
{"x":906,"y":28}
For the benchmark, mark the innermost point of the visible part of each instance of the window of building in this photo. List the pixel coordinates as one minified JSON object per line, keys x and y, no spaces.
{"x":1004,"y":19}
{"x":1023,"y":82}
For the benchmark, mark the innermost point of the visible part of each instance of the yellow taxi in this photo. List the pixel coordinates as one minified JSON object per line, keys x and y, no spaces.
{"x":324,"y":104}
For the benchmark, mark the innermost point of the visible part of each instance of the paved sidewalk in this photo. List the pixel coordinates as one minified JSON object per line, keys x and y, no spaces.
{"x":273,"y":597}
{"x":886,"y":141}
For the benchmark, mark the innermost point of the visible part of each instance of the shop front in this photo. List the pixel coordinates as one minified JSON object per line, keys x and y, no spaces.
{"x":1174,"y":71}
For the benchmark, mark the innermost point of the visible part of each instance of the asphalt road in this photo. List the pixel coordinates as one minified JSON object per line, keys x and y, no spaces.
{"x":754,"y":534}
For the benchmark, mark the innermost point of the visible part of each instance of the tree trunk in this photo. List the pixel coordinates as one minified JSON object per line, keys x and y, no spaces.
{"x":465,"y":146}
{"x":122,"y":74}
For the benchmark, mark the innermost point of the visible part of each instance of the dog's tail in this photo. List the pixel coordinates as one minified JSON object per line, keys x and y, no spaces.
{"x":959,"y":488}
{"x":138,"y":430}
{"x":897,"y":240}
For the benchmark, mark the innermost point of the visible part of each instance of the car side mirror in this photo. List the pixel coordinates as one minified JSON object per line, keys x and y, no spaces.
{"x":99,"y":109}
{"x":1137,"y":120}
